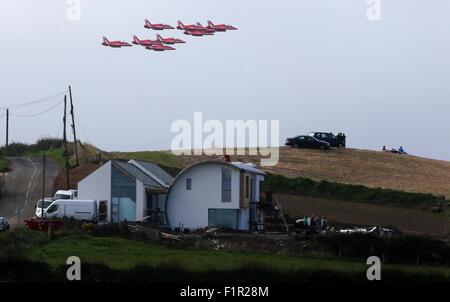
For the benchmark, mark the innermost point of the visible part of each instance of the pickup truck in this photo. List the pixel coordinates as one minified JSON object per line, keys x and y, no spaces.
{"x":334,"y":140}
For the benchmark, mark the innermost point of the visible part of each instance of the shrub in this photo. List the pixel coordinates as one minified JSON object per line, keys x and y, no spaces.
{"x":346,"y":192}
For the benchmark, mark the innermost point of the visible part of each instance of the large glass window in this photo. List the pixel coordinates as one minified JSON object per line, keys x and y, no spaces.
{"x":123,"y":197}
{"x":227,"y":218}
{"x":226,"y":185}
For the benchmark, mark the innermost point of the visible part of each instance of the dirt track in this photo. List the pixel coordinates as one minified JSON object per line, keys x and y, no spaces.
{"x":406,"y":220}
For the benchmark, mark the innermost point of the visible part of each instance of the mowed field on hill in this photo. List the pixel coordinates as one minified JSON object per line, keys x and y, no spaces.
{"x":362,"y":167}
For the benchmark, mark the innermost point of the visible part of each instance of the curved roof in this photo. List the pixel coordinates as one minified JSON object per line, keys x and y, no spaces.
{"x":242,"y":167}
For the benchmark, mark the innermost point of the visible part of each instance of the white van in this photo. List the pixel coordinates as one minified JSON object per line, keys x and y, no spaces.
{"x":47,"y":202}
{"x":60,"y":194}
{"x":77,"y":209}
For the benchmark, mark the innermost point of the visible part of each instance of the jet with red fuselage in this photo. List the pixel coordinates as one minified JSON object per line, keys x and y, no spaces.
{"x":195,"y":29}
{"x":169,"y":40}
{"x":137,"y":41}
{"x":156,"y":26}
{"x":220,"y":27}
{"x":115,"y":44}
{"x":159,"y":47}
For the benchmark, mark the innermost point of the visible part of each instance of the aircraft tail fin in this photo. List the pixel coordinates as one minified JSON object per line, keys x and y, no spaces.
{"x":180,"y":24}
{"x":135,"y":39}
{"x":158,"y":37}
{"x":147,"y":22}
{"x":105,"y":40}
{"x":210,"y":23}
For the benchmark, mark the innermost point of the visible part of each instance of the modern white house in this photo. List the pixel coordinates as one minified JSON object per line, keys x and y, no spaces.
{"x":208,"y":193}
{"x":216,"y":193}
{"x":127,"y":190}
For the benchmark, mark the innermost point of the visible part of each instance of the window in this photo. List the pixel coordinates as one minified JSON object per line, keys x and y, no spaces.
{"x":53,"y":208}
{"x":226,"y":185}
{"x":188,"y":183}
{"x":228,"y":218}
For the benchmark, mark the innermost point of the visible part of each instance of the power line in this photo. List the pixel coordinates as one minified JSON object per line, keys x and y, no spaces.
{"x":46,"y":99}
{"x":38,"y":113}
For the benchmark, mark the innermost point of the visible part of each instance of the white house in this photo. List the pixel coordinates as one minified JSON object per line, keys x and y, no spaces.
{"x":208,"y":193}
{"x":216,"y":193}
{"x":128,"y":190}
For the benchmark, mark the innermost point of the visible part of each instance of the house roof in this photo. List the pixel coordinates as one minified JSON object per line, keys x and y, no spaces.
{"x":243,"y":167}
{"x":136,"y":173}
{"x":248,"y":168}
{"x":154,"y":171}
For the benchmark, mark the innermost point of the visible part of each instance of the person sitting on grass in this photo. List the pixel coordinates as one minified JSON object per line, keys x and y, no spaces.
{"x":401,"y":151}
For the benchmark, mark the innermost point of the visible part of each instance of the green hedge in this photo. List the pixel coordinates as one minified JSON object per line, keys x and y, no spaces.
{"x":357,"y":193}
{"x":43,"y":144}
{"x":3,"y":164}
{"x":26,"y":270}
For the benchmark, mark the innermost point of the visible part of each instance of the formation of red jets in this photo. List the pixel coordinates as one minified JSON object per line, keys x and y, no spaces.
{"x":162,"y":44}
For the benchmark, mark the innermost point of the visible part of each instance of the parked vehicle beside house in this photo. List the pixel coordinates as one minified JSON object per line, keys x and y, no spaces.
{"x":4,"y":224}
{"x":307,"y":141}
{"x":86,"y":210}
{"x":42,"y":204}
{"x":59,"y":195}
{"x":66,"y":194}
{"x":337,"y":141}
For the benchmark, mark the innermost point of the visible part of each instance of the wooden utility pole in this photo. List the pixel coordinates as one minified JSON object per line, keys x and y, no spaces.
{"x":73,"y":126}
{"x":66,"y":152}
{"x":7,"y":127}
{"x":43,"y":186}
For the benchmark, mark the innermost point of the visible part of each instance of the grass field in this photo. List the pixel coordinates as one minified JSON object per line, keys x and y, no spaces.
{"x":355,"y":213}
{"x":165,"y":158}
{"x":124,"y":253}
{"x":362,"y":167}
{"x":3,"y":165}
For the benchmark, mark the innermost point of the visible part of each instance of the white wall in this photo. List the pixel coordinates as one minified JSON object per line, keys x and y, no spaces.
{"x":190,"y":207}
{"x":97,"y":186}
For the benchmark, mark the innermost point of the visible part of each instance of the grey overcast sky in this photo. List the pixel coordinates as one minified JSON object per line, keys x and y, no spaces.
{"x":312,"y":64}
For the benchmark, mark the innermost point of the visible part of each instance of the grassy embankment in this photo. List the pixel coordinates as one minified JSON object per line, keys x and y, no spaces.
{"x":3,"y":164}
{"x":124,"y":254}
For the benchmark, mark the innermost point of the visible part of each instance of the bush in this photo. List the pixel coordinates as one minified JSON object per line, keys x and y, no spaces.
{"x":346,"y":192}
{"x":15,"y":242}
{"x":25,"y":270}
{"x":43,"y":144}
{"x":402,"y":250}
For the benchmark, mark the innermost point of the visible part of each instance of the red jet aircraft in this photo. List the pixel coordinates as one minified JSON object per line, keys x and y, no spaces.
{"x":136,"y":41}
{"x":220,"y":27}
{"x":159,"y":47}
{"x":195,"y":28}
{"x":115,"y":44}
{"x":156,"y":26}
{"x":169,"y":40}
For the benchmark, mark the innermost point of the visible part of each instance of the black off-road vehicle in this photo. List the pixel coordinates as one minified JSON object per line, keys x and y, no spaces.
{"x":337,"y":141}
